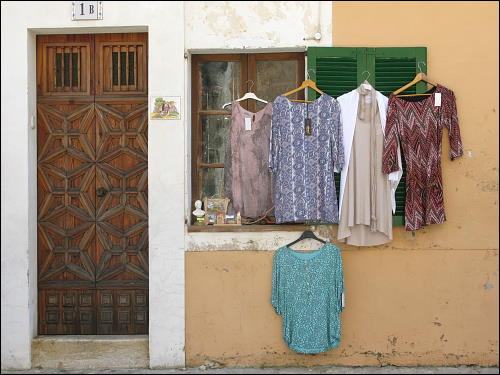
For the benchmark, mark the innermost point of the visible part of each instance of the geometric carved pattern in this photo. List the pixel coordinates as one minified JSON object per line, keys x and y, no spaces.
{"x":92,"y":194}
{"x":125,"y":316}
{"x":121,"y":215}
{"x":66,"y":211}
{"x":60,"y":312}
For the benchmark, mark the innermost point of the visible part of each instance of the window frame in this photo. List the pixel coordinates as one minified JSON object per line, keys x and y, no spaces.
{"x":248,"y":71}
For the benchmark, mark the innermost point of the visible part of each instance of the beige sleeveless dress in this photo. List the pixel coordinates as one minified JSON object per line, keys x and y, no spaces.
{"x":366,"y":214}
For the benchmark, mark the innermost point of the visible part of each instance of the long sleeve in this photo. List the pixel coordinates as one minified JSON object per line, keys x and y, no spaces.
{"x":339,"y":285}
{"x":274,"y":142}
{"x":276,"y":294}
{"x":450,"y":120}
{"x":338,"y":142}
{"x":391,"y":141}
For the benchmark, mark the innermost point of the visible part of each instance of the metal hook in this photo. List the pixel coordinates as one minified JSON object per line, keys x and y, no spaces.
{"x":419,"y":68}
{"x":366,"y":71}
{"x":307,"y":73}
{"x":250,"y":89}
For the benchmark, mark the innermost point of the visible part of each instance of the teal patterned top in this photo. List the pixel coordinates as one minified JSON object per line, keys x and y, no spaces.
{"x":307,"y":292}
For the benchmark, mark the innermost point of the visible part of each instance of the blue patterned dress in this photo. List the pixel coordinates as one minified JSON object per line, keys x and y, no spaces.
{"x":307,"y":291}
{"x":303,"y":165}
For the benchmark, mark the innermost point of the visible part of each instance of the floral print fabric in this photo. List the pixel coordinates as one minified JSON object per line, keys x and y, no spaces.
{"x":303,"y":165}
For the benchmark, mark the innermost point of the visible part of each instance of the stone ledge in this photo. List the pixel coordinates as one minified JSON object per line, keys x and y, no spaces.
{"x":95,"y":351}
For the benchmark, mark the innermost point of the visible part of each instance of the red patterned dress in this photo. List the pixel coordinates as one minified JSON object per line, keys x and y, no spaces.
{"x":417,"y":124}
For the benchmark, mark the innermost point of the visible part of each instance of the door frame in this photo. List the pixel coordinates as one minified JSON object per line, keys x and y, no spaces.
{"x":166,"y":173}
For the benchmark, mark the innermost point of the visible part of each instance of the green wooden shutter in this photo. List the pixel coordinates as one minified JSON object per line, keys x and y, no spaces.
{"x":338,"y":70}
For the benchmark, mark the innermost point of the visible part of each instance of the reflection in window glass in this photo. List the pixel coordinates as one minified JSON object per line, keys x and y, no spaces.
{"x":220,"y":83}
{"x":215,"y":130}
{"x":212,"y":182}
{"x":275,"y":78}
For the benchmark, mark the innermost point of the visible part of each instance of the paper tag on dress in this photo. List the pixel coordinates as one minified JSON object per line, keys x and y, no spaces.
{"x":437,"y":99}
{"x":307,"y":126}
{"x":343,"y":300}
{"x":248,"y":123}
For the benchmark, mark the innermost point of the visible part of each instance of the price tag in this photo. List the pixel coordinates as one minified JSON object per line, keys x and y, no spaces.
{"x":437,"y":99}
{"x":307,"y":126}
{"x":248,"y":123}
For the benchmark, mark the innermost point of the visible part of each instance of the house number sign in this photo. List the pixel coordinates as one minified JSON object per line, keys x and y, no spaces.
{"x":86,"y":10}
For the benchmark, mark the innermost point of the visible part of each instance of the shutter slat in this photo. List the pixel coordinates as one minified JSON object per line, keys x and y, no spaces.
{"x":336,"y":75}
{"x":391,"y":74}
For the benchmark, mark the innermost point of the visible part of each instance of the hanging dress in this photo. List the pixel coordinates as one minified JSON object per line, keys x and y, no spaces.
{"x":307,"y":291}
{"x":303,"y":165}
{"x":417,"y":124}
{"x":247,"y":179}
{"x":365,"y":215}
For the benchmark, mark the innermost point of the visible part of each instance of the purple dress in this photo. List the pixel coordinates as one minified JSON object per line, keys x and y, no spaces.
{"x":303,"y":165}
{"x":247,"y":179}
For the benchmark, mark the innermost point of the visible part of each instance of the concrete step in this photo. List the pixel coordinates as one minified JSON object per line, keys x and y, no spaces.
{"x":90,"y":351}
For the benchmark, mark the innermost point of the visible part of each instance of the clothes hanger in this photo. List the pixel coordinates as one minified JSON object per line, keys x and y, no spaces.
{"x":248,"y":95}
{"x":419,"y":77}
{"x":307,"y":83}
{"x":304,"y":235}
{"x":366,"y":85}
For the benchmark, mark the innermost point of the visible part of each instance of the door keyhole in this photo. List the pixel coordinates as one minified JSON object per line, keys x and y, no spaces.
{"x":101,"y":192}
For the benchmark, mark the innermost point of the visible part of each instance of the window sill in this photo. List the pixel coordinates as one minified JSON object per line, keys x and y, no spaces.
{"x":249,"y":228}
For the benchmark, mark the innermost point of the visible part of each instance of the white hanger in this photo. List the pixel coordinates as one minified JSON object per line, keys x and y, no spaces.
{"x":248,"y":95}
{"x":366,"y":85}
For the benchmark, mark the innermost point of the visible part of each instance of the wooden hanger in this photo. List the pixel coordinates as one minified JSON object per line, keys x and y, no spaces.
{"x":419,"y":77}
{"x":304,"y":235}
{"x":307,"y":83}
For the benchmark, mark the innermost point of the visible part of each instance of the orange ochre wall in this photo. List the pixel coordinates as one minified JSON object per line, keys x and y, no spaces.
{"x":429,"y":297}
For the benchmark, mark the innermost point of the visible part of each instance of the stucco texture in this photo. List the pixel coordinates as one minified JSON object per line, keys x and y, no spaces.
{"x":429,"y":297}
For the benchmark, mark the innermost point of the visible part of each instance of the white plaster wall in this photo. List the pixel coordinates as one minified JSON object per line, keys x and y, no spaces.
{"x":252,"y":241}
{"x":20,"y":22}
{"x":17,"y":210}
{"x":257,"y":24}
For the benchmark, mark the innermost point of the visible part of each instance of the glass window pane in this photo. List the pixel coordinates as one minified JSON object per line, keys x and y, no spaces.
{"x":212,"y":182}
{"x":123,"y":68}
{"x":66,"y":69}
{"x":220,"y":83}
{"x":115,"y":68}
{"x":215,"y":130}
{"x":131,"y":68}
{"x":74,"y":72}
{"x":275,"y":78}
{"x":58,"y":69}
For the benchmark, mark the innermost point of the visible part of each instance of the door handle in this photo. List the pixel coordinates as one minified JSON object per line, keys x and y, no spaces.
{"x":101,"y":192}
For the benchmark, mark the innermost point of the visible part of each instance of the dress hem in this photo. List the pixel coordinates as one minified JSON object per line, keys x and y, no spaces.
{"x":315,"y":350}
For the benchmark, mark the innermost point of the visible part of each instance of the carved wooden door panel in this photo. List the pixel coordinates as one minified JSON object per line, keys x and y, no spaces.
{"x":92,"y":184}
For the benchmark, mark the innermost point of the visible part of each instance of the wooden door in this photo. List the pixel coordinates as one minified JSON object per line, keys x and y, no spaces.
{"x":92,"y":184}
